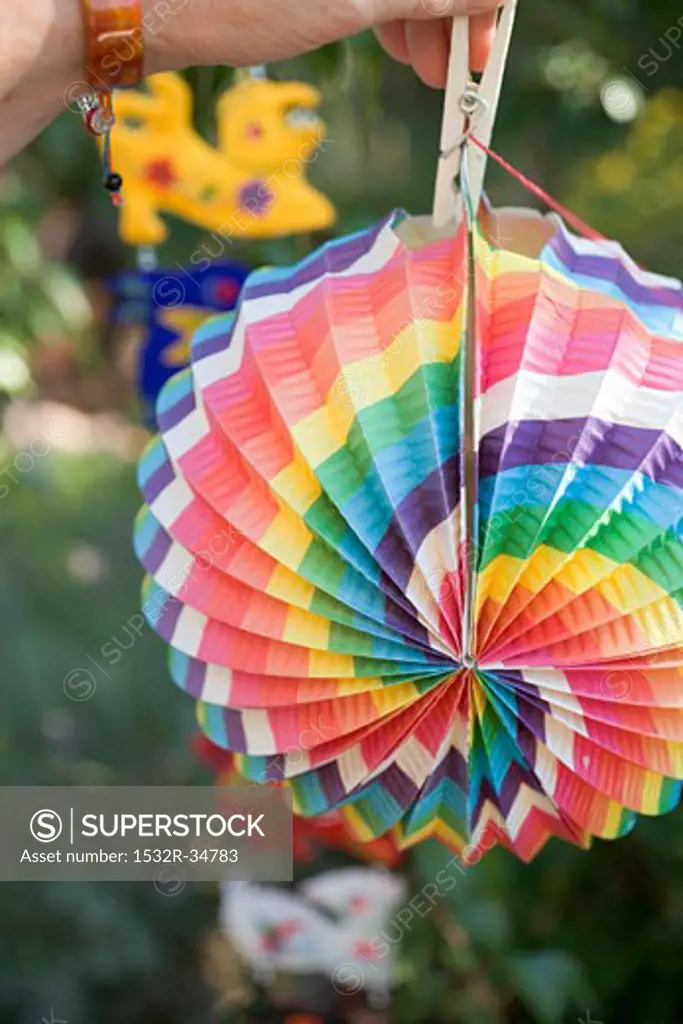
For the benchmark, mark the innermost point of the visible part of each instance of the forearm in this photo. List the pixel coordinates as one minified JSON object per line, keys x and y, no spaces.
{"x":40,"y":46}
{"x":42,"y":62}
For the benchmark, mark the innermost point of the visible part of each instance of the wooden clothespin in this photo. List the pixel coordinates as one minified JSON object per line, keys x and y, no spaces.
{"x":469,"y":108}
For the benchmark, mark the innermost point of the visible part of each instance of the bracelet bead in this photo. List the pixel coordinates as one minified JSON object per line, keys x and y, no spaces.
{"x":114,"y":46}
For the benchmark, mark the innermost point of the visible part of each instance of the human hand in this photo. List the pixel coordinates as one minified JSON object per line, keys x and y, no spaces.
{"x":41,"y":45}
{"x":243,"y":32}
{"x":424,"y":42}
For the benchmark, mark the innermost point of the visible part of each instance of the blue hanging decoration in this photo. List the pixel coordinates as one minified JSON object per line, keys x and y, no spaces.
{"x":167,"y":307}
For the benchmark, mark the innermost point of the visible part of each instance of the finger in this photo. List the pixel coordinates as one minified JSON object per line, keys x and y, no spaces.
{"x":392,"y":36}
{"x":482,"y":31}
{"x":428,"y":51}
{"x":391,"y":10}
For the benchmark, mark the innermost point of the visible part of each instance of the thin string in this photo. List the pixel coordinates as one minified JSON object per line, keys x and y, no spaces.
{"x":470,"y":488}
{"x":106,"y":153}
{"x":531,"y":186}
{"x":466,"y":192}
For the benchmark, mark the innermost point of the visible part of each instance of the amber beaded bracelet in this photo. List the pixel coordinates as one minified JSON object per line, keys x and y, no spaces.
{"x":113,"y":43}
{"x":114,"y":59}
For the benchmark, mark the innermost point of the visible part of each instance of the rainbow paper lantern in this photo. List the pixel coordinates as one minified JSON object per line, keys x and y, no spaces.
{"x":303,"y":536}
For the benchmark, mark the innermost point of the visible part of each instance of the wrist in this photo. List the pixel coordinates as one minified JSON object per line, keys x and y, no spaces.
{"x":40,"y":41}
{"x":42,"y":44}
{"x":42,"y":60}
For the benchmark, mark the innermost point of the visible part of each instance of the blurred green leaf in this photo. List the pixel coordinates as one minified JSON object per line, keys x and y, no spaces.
{"x":549,"y":983}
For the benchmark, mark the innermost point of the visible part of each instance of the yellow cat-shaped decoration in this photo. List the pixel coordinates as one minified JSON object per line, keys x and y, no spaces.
{"x":253,"y":186}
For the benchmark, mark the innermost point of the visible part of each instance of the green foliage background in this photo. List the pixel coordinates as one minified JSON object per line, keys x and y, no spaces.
{"x":574,"y":933}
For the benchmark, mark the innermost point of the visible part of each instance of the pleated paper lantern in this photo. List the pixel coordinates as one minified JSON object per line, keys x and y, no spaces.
{"x":307,"y":521}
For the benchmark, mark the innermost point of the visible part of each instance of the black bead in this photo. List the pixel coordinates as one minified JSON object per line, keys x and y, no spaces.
{"x":113,"y":183}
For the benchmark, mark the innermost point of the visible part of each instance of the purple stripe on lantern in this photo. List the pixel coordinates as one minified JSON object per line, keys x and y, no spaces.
{"x":331,"y":784}
{"x":428,"y":505}
{"x":394,"y":555}
{"x":511,"y":680}
{"x":452,"y":767}
{"x":217,"y":341}
{"x":195,"y":678}
{"x":398,"y":785}
{"x":169,"y":418}
{"x":235,"y":738}
{"x":168,"y":617}
{"x":405,"y":623}
{"x":526,"y":688}
{"x":485,"y":794}
{"x":157,"y":550}
{"x":155,"y":484}
{"x":531,"y":716}
{"x":516,"y":776}
{"x":586,"y":440}
{"x":274,"y":769}
{"x":504,"y":798}
{"x":396,"y":599}
{"x":664,"y":463}
{"x":526,"y":741}
{"x":334,"y":257}
{"x":607,"y":268}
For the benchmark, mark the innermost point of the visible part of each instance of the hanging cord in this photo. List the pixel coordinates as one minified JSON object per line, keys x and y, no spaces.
{"x":468,"y":464}
{"x":98,"y":116}
{"x":531,"y":186}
